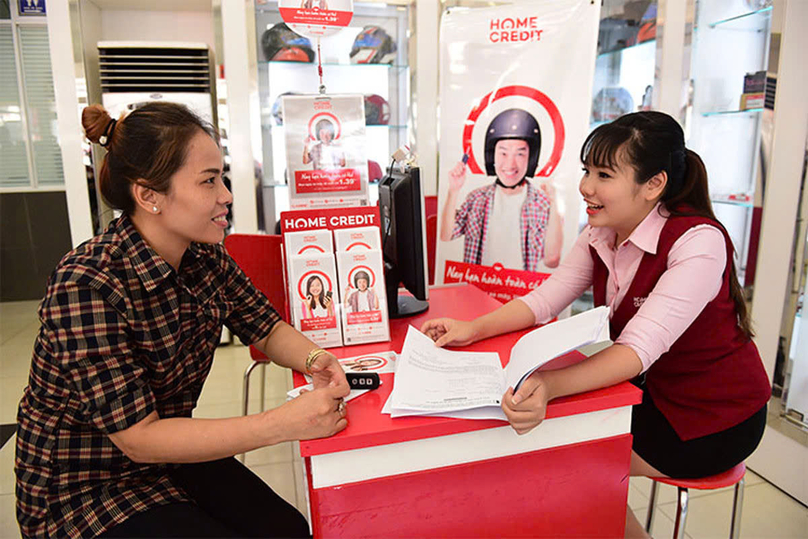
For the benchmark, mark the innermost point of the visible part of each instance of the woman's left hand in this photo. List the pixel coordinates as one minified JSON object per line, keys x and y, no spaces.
{"x":527,"y":407}
{"x":327,"y":372}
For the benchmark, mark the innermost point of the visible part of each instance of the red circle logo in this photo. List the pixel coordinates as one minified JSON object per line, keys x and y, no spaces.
{"x":324,"y":116}
{"x":523,"y":91}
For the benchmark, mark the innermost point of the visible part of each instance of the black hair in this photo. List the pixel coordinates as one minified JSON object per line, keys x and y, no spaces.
{"x":320,"y":297}
{"x":651,"y":142}
{"x":147,"y":147}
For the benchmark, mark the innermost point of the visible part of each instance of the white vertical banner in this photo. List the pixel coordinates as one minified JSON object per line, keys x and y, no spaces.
{"x":515,"y":89}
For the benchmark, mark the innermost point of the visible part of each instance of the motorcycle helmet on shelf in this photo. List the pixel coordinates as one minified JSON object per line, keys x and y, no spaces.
{"x":377,"y":110}
{"x":373,"y":45}
{"x":281,"y":44}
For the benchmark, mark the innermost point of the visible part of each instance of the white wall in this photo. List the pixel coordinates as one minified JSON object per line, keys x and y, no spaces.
{"x":125,"y":25}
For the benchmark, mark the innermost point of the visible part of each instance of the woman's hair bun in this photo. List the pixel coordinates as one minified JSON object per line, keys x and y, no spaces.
{"x":95,"y":120}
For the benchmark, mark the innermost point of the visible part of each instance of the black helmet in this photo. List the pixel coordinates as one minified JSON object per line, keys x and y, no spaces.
{"x":373,"y":46}
{"x":279,"y":43}
{"x":513,"y":124}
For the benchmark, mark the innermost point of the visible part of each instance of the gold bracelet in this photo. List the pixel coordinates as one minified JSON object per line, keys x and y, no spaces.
{"x":312,"y":357}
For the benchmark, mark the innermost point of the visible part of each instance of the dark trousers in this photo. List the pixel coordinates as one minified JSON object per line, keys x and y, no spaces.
{"x":229,"y":501}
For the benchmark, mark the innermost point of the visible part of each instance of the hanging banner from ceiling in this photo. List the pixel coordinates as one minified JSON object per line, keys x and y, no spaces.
{"x":515,"y":94}
{"x":316,"y":18}
{"x":325,"y":150}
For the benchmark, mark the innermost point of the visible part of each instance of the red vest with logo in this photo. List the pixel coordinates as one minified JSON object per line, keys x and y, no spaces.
{"x":712,"y":378}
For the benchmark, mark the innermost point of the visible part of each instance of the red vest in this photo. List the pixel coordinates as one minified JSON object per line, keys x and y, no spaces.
{"x":712,"y":378}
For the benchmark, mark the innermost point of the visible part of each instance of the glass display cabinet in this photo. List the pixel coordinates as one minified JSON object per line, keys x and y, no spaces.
{"x":384,"y":81}
{"x":730,"y":49}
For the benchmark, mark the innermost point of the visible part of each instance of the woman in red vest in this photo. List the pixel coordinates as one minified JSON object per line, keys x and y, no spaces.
{"x":656,"y":254}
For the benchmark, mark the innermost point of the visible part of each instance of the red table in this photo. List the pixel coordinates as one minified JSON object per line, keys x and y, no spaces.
{"x":442,"y":477}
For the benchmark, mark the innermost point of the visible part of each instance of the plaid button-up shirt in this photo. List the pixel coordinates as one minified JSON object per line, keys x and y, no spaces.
{"x":123,"y":335}
{"x":472,"y":219}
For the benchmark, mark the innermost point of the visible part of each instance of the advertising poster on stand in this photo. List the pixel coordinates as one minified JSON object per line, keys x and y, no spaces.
{"x":325,"y":154}
{"x":515,"y":98}
{"x":316,"y":18}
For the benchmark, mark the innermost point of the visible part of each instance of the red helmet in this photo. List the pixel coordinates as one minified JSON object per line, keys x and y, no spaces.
{"x":374,"y":171}
{"x":377,"y":110}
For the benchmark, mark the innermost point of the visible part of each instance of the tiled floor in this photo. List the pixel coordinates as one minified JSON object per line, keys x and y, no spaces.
{"x":767,"y":513}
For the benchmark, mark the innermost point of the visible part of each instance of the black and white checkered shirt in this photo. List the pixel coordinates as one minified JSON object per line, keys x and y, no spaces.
{"x":123,"y":335}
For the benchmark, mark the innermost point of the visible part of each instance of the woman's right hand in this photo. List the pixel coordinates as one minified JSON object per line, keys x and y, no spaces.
{"x":457,"y":176}
{"x":449,"y":332}
{"x":315,"y":413}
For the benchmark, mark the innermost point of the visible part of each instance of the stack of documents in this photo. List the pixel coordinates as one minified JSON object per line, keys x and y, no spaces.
{"x":434,"y":381}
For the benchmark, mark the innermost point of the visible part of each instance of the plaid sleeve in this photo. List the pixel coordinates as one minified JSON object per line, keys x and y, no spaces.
{"x":88,"y":339}
{"x":254,"y":316}
{"x":462,"y":217}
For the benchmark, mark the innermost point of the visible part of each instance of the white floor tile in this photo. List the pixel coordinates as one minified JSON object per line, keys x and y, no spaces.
{"x":7,"y":479}
{"x":16,"y":316}
{"x":11,"y":390}
{"x":636,"y":499}
{"x":663,"y":525}
{"x":767,"y":514}
{"x":8,"y":518}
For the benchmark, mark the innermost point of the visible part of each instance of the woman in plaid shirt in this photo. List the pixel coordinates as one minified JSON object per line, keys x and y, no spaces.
{"x":106,"y":445}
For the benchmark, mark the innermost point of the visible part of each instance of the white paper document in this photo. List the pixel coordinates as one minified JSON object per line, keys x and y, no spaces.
{"x":434,"y":381}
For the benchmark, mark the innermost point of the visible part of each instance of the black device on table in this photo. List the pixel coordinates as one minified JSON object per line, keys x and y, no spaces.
{"x":401,"y":204}
{"x":363,"y":380}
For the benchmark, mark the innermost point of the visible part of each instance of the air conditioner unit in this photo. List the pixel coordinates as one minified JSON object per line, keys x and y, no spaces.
{"x":136,"y":72}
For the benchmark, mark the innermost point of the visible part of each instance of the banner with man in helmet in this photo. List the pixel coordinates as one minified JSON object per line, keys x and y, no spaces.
{"x":516,"y":88}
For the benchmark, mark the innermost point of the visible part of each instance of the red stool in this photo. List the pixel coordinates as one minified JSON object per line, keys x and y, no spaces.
{"x":726,"y":479}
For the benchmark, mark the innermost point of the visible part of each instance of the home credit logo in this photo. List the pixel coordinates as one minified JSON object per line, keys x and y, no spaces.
{"x":514,"y":30}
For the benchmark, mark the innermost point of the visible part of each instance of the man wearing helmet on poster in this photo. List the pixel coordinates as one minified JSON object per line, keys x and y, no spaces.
{"x":326,"y":153}
{"x":492,"y":216}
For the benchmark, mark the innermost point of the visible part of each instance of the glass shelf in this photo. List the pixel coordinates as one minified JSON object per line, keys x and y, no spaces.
{"x":764,"y":12}
{"x":335,"y":64}
{"x":646,"y":42}
{"x":731,"y":112}
{"x":727,"y":199}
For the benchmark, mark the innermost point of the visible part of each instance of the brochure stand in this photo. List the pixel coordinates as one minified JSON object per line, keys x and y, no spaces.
{"x":348,"y":300}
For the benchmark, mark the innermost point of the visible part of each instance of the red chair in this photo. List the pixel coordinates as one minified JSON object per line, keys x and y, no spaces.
{"x":726,"y":479}
{"x":431,"y":218}
{"x":260,"y":256}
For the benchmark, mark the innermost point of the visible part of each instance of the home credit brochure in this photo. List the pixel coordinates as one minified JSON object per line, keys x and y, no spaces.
{"x":434,"y":381}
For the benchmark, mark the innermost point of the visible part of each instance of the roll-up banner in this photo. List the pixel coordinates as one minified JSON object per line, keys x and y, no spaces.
{"x":515,"y":98}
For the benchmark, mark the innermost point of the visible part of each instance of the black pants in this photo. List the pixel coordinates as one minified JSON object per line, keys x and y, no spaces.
{"x":229,"y":501}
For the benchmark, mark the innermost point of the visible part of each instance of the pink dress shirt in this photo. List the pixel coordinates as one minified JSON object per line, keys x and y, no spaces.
{"x":696,"y":263}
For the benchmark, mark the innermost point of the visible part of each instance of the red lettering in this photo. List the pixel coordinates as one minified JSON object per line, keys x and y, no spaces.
{"x":522,"y":23}
{"x":505,"y":24}
{"x":494,"y":37}
{"x":533,"y":22}
{"x":494,"y":24}
{"x":503,"y":37}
